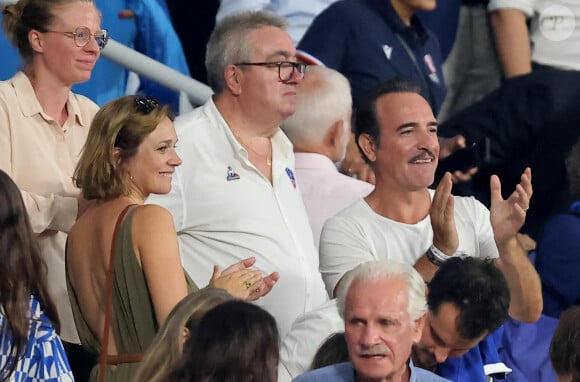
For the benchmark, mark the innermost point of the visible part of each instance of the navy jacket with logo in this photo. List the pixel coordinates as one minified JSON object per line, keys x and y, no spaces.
{"x":368,"y":42}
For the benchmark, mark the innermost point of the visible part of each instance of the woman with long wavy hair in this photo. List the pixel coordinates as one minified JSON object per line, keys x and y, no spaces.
{"x":30,"y":348}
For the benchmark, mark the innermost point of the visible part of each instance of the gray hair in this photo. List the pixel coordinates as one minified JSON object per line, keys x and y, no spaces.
{"x":386,"y":270}
{"x":323,"y":98}
{"x":229,"y":43}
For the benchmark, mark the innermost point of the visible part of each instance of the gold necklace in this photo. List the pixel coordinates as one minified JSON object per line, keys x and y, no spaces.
{"x":248,"y":147}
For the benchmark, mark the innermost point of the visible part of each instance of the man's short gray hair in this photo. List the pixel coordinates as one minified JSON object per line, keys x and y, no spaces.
{"x":386,"y":270}
{"x":323,"y":98}
{"x":228,"y":43}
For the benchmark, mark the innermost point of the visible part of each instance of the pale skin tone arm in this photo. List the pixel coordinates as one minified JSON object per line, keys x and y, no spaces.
{"x":512,"y":39}
{"x":442,"y":215}
{"x":507,"y":217}
{"x":156,"y":240}
{"x":261,"y":286}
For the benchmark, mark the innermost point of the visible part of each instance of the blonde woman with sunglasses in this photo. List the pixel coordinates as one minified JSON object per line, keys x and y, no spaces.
{"x":122,"y":257}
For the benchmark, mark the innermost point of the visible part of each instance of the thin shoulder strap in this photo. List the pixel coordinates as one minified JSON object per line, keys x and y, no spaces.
{"x":109,"y":297}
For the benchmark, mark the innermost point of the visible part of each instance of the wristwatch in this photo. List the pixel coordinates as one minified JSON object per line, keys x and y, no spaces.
{"x":436,"y":256}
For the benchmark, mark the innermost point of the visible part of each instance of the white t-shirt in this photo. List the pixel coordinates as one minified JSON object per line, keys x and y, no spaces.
{"x":308,"y":333}
{"x":358,"y":234}
{"x":554,"y":30}
{"x":225,"y":210}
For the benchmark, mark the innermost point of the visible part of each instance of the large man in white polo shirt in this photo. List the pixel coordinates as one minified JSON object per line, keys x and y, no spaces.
{"x":236,"y":194}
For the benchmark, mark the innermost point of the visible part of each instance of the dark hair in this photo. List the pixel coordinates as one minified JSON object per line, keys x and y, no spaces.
{"x":365,"y":120}
{"x":477,"y":288}
{"x":25,"y":15}
{"x":235,"y":341}
{"x":22,"y":273}
{"x":122,"y":123}
{"x":565,"y":346}
{"x":332,"y":351}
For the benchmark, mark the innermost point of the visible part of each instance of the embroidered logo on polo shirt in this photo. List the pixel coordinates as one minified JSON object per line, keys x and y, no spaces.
{"x":291,"y":176}
{"x":432,"y":69}
{"x":232,"y":175}
{"x":388,"y":51}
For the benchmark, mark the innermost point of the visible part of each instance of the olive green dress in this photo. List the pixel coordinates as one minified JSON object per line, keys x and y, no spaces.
{"x":133,"y":320}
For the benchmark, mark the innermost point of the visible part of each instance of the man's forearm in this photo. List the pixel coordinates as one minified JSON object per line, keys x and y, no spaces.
{"x":512,"y":41}
{"x":524,"y":283}
{"x":425,"y":268}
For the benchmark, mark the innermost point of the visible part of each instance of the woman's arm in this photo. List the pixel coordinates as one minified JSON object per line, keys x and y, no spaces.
{"x":156,"y":241}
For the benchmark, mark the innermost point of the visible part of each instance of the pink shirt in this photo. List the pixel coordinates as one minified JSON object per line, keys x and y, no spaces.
{"x":325,"y":191}
{"x":40,"y":156}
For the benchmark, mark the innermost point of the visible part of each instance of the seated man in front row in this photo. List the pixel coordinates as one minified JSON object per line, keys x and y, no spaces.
{"x":468,"y":301}
{"x":384,"y":308}
{"x":405,"y":221}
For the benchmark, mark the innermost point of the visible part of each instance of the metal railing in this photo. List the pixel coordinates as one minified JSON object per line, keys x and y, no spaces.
{"x":196,"y":91}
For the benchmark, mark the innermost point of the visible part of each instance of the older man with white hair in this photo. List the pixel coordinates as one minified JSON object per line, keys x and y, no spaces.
{"x":384,"y":309}
{"x":320,"y":129}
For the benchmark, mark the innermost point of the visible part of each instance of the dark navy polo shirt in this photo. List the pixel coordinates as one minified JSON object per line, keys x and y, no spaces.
{"x":368,"y":42}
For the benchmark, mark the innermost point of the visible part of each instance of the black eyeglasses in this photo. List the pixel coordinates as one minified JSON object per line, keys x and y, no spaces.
{"x":82,"y":36}
{"x":285,"y":68}
{"x":145,"y":105}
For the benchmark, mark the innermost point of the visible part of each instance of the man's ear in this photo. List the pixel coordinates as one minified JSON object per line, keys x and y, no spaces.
{"x":232,"y":74}
{"x":335,"y":134}
{"x":36,"y":40}
{"x":368,"y":146}
{"x":419,"y":324}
